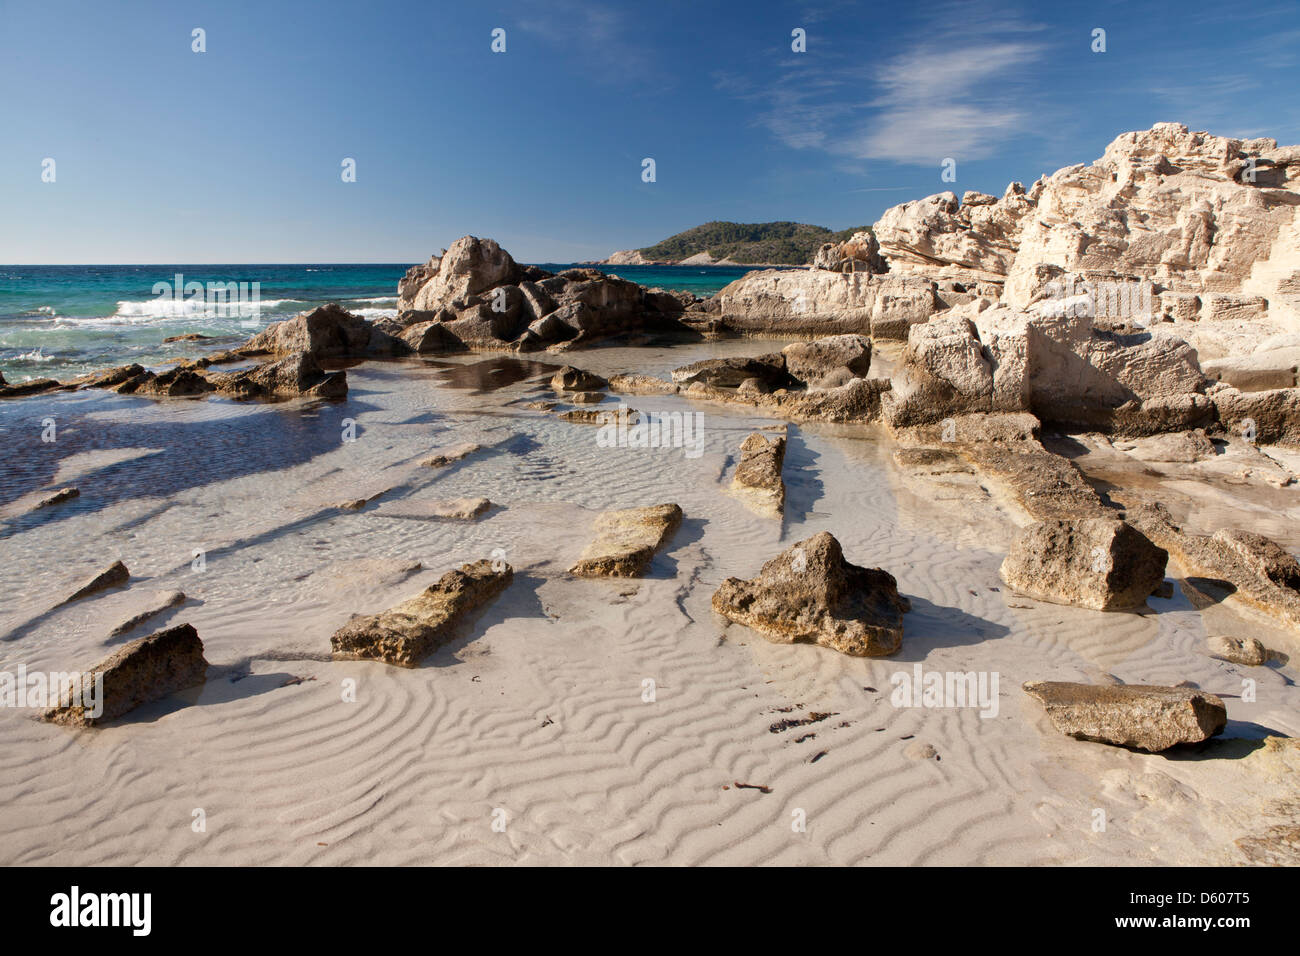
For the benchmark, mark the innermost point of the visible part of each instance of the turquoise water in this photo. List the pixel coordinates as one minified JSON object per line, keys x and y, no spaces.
{"x":62,"y":321}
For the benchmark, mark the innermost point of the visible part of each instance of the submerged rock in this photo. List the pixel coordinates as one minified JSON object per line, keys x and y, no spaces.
{"x":407,"y":633}
{"x":1239,"y":650}
{"x":1099,"y":563}
{"x":627,"y":540}
{"x":810,"y":593}
{"x":443,"y":457}
{"x":60,"y":496}
{"x":1139,"y":716}
{"x":140,"y":672}
{"x":757,"y":481}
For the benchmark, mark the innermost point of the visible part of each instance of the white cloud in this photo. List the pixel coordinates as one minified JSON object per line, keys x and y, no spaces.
{"x":959,"y":93}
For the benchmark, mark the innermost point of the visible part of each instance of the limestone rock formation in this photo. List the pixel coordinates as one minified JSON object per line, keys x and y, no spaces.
{"x":407,"y":633}
{"x":830,"y":361}
{"x":757,"y":481}
{"x":810,"y":593}
{"x":328,"y":332}
{"x":627,"y":540}
{"x":1099,"y":563}
{"x":145,"y":670}
{"x":1138,"y":716}
{"x":475,"y":296}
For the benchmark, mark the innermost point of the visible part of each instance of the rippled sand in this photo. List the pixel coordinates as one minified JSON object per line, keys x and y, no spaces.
{"x":539,"y":709}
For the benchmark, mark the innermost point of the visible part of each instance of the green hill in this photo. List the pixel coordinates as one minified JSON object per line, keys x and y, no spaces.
{"x":792,"y":243}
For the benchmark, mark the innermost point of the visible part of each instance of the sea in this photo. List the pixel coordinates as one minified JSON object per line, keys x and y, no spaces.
{"x":62,"y":321}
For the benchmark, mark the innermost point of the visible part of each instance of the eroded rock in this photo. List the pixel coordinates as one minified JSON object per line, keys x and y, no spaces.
{"x":757,"y":481}
{"x":143,"y":671}
{"x":627,"y":540}
{"x":407,"y":633}
{"x":810,"y":593}
{"x":1139,"y":716}
{"x":1099,"y":563}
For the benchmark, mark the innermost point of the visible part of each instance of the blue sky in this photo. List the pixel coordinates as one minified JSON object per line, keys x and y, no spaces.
{"x":233,"y":155}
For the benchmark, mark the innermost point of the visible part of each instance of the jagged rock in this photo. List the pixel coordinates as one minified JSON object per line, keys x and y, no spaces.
{"x":1139,"y":716}
{"x":407,"y":633}
{"x":757,"y":481}
{"x":859,"y":253}
{"x":296,"y":375}
{"x":177,"y":382}
{"x":810,"y":593}
{"x":570,"y":379}
{"x":1239,"y":650}
{"x":1099,"y":563}
{"x":327,"y":332}
{"x":476,"y":296}
{"x":115,"y":575}
{"x":974,"y":241}
{"x":627,"y":540}
{"x":187,"y":337}
{"x":443,"y":457}
{"x":109,"y":378}
{"x":830,"y":361}
{"x":60,"y":496}
{"x":143,"y":671}
{"x":31,"y":387}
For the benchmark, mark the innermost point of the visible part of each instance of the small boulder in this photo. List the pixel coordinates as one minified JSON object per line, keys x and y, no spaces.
{"x":627,"y":540}
{"x":407,"y":633}
{"x":829,"y":361}
{"x":443,"y":457}
{"x":60,"y":496}
{"x":757,"y":481}
{"x":1099,"y":563}
{"x":1239,"y":650}
{"x":1139,"y":716}
{"x":570,"y":379}
{"x":140,"y":672}
{"x":810,"y":593}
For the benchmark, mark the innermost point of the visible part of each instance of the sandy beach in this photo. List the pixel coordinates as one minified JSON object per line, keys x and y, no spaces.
{"x":606,"y":721}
